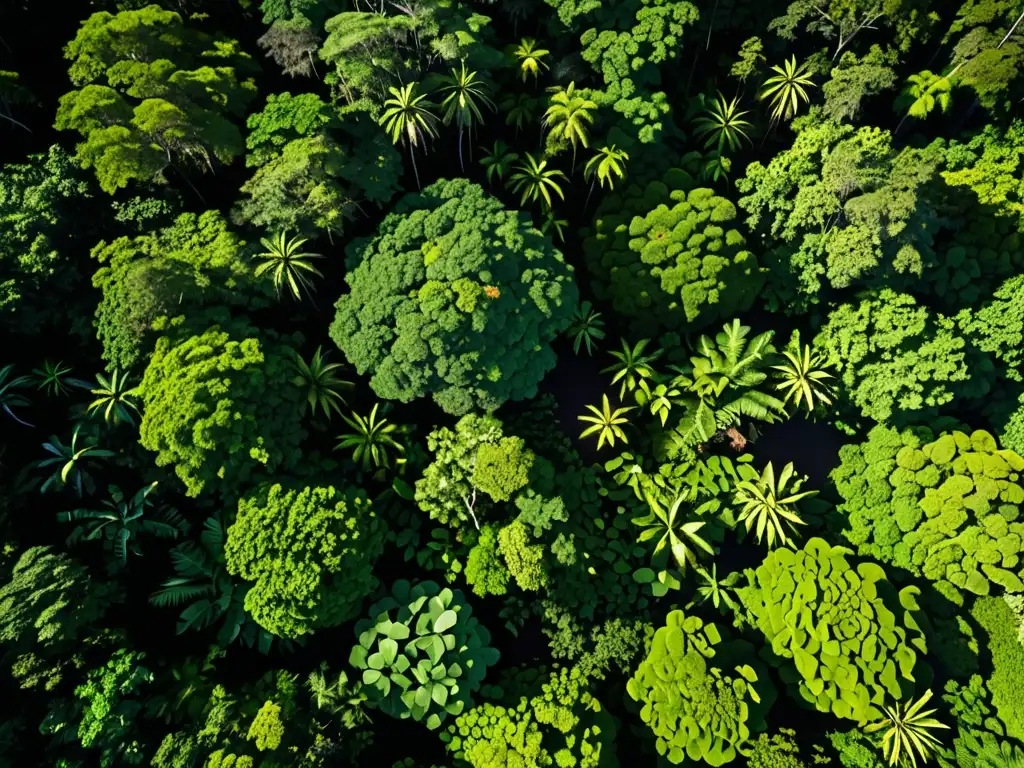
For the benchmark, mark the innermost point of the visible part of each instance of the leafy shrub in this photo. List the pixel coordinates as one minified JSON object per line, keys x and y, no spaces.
{"x":1000,"y":634}
{"x":852,"y":641}
{"x":702,"y":697}
{"x":948,"y":509}
{"x":310,"y":553}
{"x":422,"y":653}
{"x":665,"y":257}
{"x":455,"y":297}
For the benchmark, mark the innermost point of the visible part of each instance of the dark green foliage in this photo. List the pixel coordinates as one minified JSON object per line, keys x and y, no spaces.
{"x":310,"y":553}
{"x":665,"y":256}
{"x":153,"y":92}
{"x":873,"y":643}
{"x":220,"y":406}
{"x":422,"y":653}
{"x":947,"y":509}
{"x":490,"y":291}
{"x":780,"y":750}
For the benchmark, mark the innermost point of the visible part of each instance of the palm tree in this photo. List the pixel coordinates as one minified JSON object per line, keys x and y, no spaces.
{"x":551,"y":221}
{"x":666,"y":525}
{"x":908,"y":732}
{"x":9,"y":397}
{"x":407,"y":117}
{"x":633,"y":365}
{"x":372,"y":440}
{"x":531,"y":58}
{"x":568,"y":118}
{"x":498,"y":161}
{"x":463,"y":89}
{"x":53,"y":377}
{"x":723,"y":125}
{"x":606,"y":422}
{"x":114,"y":398}
{"x":766,"y":502}
{"x":289,"y":263}
{"x":520,"y":109}
{"x":786,"y":89}
{"x":587,"y":328}
{"x":122,"y":521}
{"x":536,"y":182}
{"x":721,"y":592}
{"x":923,"y":93}
{"x":605,"y":165}
{"x":803,"y":379}
{"x":71,"y":460}
{"x":319,"y":378}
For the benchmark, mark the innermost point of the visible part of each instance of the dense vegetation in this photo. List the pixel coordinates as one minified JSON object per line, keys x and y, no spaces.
{"x":512,"y":384}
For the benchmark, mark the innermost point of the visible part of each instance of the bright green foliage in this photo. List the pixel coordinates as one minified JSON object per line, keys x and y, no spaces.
{"x":765,"y":502}
{"x":780,"y":750}
{"x":702,"y":698}
{"x":284,"y":260}
{"x":802,"y":376}
{"x":196,"y":262}
{"x":283,"y":119}
{"x":475,"y":456}
{"x":422,"y":653}
{"x":908,"y":730}
{"x":855,"y":79}
{"x":787,"y":89}
{"x":924,"y":92}
{"x":486,"y":571}
{"x":895,"y":356}
{"x":109,"y":709}
{"x":524,"y":559}
{"x":989,"y":164}
{"x":947,"y":509}
{"x":220,"y":406}
{"x":564,"y":725}
{"x":310,"y":553}
{"x":987,"y":57}
{"x":115,"y":398}
{"x":997,"y":327}
{"x":49,"y":602}
{"x":843,"y":205}
{"x":853,"y":642}
{"x":606,"y":423}
{"x":267,"y":730}
{"x":36,"y":203}
{"x":665,"y":256}
{"x":1000,"y":639}
{"x":373,"y":439}
{"x":153,"y":92}
{"x":456,"y":297}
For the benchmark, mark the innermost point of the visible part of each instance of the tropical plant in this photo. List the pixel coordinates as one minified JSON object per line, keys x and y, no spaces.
{"x":9,"y":397}
{"x":551,"y":221}
{"x":288,"y":263}
{"x":520,"y":109}
{"x":114,"y":397}
{"x":53,"y":377}
{"x":802,"y":377}
{"x":320,"y":380}
{"x":607,"y":164}
{"x":924,"y":92}
{"x":122,"y":522}
{"x":674,"y":536}
{"x":568,"y":117}
{"x":720,"y":592}
{"x":633,"y":366}
{"x":498,"y":161}
{"x":70,"y":460}
{"x":441,"y":661}
{"x":787,"y":89}
{"x":716,"y":166}
{"x":587,"y":328}
{"x":908,"y":734}
{"x":606,"y":422}
{"x":202,"y":581}
{"x":531,"y":58}
{"x":723,"y":125}
{"x":408,"y":118}
{"x":659,"y":399}
{"x":463,"y":91}
{"x":372,"y":441}
{"x":338,"y":697}
{"x":768,"y":503}
{"x":536,"y":181}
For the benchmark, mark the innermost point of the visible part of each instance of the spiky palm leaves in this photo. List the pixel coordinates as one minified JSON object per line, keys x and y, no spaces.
{"x":372,"y":441}
{"x":409,"y":120}
{"x":587,"y":328}
{"x":288,"y":264}
{"x":536,"y":181}
{"x":908,"y":734}
{"x":498,"y":161}
{"x":723,"y":125}
{"x":632,"y":365}
{"x":768,"y":504}
{"x":70,"y":461}
{"x":115,"y":398}
{"x":53,"y":377}
{"x":464,"y":93}
{"x":320,"y":380}
{"x":9,"y":396}
{"x":803,"y":378}
{"x":607,"y":165}
{"x":787,"y":89}
{"x":569,"y":117}
{"x":531,"y":58}
{"x":606,"y":423}
{"x":675,"y":535}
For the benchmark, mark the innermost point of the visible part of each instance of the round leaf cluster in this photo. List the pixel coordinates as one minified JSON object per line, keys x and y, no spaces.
{"x":697,"y":709}
{"x":310,"y":553}
{"x":665,"y":256}
{"x":454,"y":297}
{"x":852,"y":641}
{"x":422,"y":653}
{"x":947,"y":509}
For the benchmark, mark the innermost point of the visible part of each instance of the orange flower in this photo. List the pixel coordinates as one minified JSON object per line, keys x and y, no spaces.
{"x":491,"y":292}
